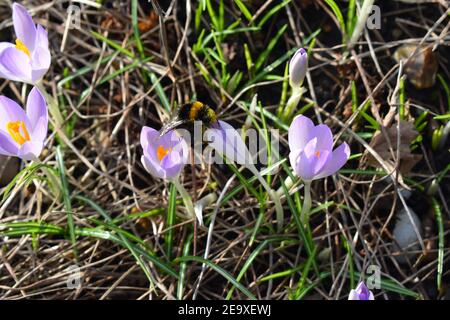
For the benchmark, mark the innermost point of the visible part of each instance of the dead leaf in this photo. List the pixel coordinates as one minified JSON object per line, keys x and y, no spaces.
{"x":348,"y":110}
{"x":229,"y":51}
{"x":407,"y":135}
{"x":421,"y":69}
{"x":110,"y":22}
{"x":149,"y":23}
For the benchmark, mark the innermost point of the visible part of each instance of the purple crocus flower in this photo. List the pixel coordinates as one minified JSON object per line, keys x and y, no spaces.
{"x":164,"y":156}
{"x":22,"y":134}
{"x":298,"y":67}
{"x":29,"y":58}
{"x":361,"y":293}
{"x":312,"y":156}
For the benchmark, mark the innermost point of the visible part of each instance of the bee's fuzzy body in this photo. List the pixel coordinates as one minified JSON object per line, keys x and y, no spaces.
{"x":190,"y":112}
{"x":197,"y":111}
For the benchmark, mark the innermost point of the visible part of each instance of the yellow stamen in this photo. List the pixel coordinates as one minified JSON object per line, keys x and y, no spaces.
{"x":15,"y":133}
{"x":161,"y":152}
{"x":317,"y":154}
{"x":22,"y":47}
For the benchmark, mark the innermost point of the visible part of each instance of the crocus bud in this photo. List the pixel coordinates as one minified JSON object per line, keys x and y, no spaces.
{"x":361,"y":293}
{"x":297,"y":68}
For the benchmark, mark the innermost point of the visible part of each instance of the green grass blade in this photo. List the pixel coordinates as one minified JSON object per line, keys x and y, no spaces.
{"x":171,"y":212}
{"x":183,"y":266}
{"x":337,"y":12}
{"x":66,"y":197}
{"x":272,"y":11}
{"x":247,"y":14}
{"x":220,"y":271}
{"x":263,"y":58}
{"x":441,"y":241}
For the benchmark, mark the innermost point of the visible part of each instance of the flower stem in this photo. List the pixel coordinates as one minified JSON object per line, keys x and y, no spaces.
{"x":186,"y":197}
{"x":306,"y":207}
{"x":294,"y":99}
{"x":54,"y":183}
{"x":52,"y":106}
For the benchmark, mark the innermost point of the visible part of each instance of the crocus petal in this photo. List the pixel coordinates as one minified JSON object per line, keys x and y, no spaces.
{"x":40,"y":130}
{"x":293,"y":157}
{"x":311,"y":161}
{"x":361,"y":293}
{"x":7,"y":146}
{"x":183,"y":150}
{"x":169,"y":140}
{"x":299,"y":132}
{"x":4,"y":73}
{"x":10,"y":112}
{"x":353,"y":295}
{"x":172,"y":164}
{"x":227,"y":141}
{"x":152,"y":167}
{"x":36,"y":109}
{"x":337,"y":160}
{"x":41,"y":37}
{"x":30,"y":150}
{"x":5,"y":45}
{"x":40,"y":60}
{"x":319,"y":160}
{"x":24,"y":26}
{"x":16,"y":64}
{"x":324,"y":137}
{"x":148,"y":134}
{"x":304,"y":167}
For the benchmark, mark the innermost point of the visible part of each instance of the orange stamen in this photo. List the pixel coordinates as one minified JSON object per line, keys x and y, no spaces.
{"x":317,"y":154}
{"x":14,"y":131}
{"x":22,"y":47}
{"x":161,"y":152}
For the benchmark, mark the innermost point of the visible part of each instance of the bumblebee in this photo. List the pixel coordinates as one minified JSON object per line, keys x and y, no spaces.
{"x":190,"y":112}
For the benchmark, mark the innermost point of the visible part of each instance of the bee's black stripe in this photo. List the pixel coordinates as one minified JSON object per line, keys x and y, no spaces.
{"x":202,"y":113}
{"x":183,"y":112}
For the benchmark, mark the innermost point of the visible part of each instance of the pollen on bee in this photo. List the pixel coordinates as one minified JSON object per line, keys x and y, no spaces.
{"x":22,"y":47}
{"x":195,"y":107}
{"x":212,"y":115}
{"x":161,"y":152}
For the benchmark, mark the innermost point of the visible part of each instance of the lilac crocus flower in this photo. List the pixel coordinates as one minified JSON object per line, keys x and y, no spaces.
{"x":164,"y":156}
{"x":361,"y":293}
{"x":22,"y":134}
{"x":29,"y":58}
{"x":298,"y":67}
{"x":312,"y":156}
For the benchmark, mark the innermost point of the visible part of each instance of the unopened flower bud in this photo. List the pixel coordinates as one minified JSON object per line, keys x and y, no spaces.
{"x":297,"y":68}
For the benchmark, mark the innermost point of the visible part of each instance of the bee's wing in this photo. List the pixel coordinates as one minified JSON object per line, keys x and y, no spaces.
{"x":170,"y":126}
